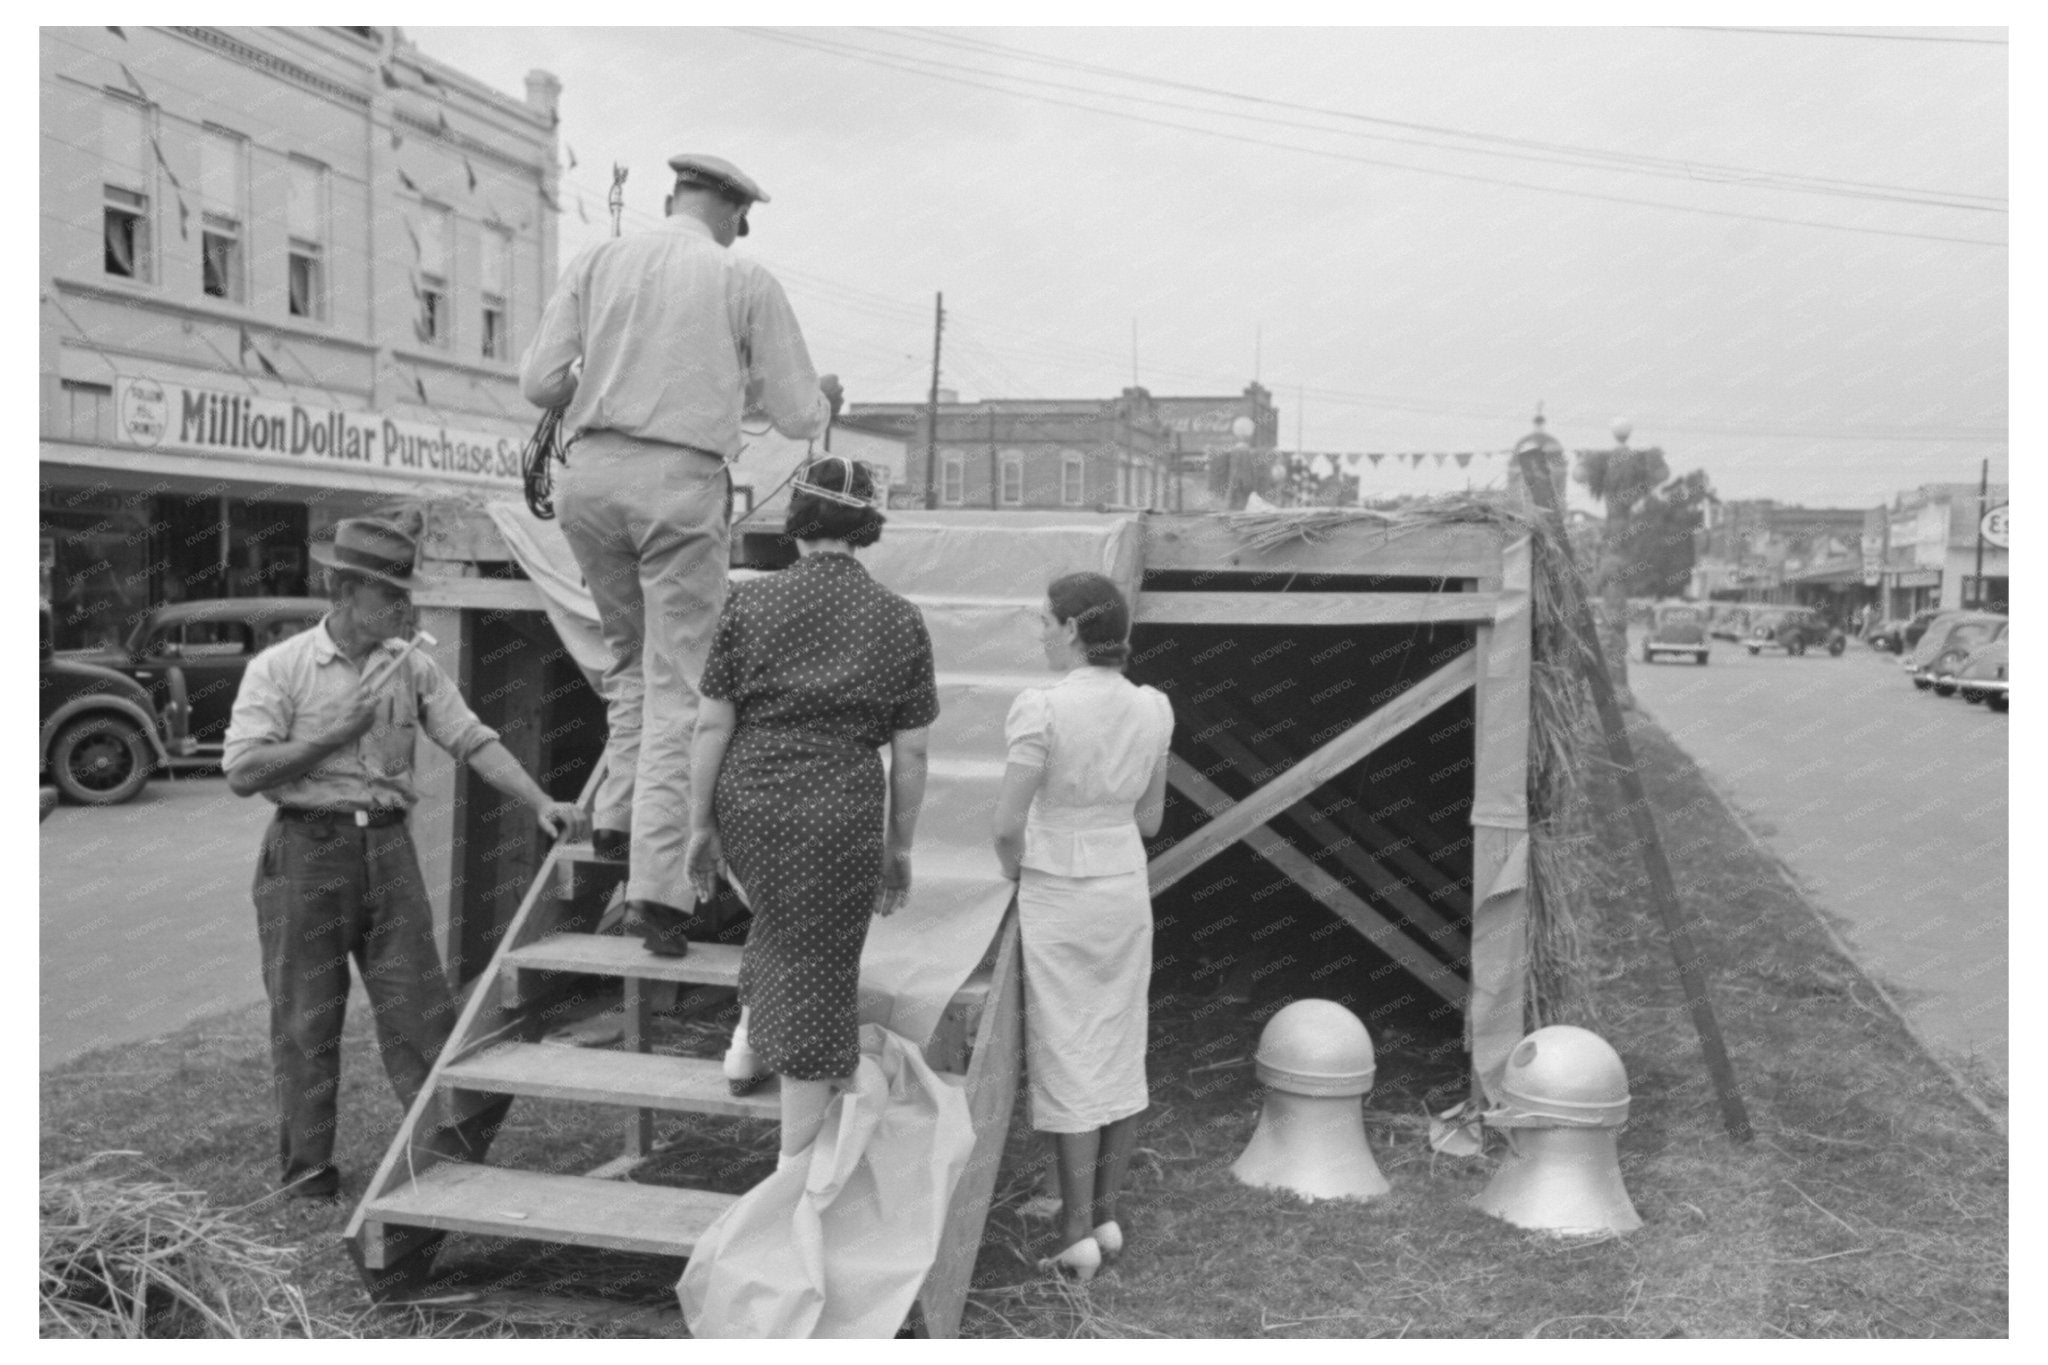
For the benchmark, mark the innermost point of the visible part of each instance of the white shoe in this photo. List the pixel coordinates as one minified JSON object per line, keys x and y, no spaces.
{"x":1110,"y":1238}
{"x":1078,"y":1262}
{"x":743,"y":1073}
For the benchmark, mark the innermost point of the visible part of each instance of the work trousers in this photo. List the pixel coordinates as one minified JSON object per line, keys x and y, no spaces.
{"x":327,"y":891}
{"x":647,"y":523}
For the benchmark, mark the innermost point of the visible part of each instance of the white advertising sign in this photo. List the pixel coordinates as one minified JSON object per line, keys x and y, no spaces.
{"x":1996,"y":526}
{"x":161,"y":416}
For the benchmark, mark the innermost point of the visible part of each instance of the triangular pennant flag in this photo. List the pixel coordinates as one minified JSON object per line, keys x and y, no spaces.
{"x":396,"y":140}
{"x":579,"y":209}
{"x":549,"y":199}
{"x":1464,"y":458}
{"x":469,"y":171}
{"x":391,"y":82}
{"x":184,"y":219}
{"x":268,"y":368}
{"x":115,"y":29}
{"x":247,"y":345}
{"x":406,"y":180}
{"x":429,"y":78}
{"x":413,"y":233}
{"x":421,"y":385}
{"x":1376,"y":457}
{"x":572,"y":155}
{"x":133,"y":84}
{"x":441,"y":122}
{"x":1439,"y":458}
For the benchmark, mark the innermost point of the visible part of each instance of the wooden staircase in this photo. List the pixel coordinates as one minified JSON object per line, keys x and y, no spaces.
{"x":551,"y":963}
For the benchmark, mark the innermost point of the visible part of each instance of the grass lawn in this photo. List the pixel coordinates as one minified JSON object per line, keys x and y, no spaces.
{"x":1872,"y":1202}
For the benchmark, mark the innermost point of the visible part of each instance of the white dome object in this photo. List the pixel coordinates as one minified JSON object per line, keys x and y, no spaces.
{"x":1562,"y":1077}
{"x":1565,"y":1181}
{"x":1316,"y":1048}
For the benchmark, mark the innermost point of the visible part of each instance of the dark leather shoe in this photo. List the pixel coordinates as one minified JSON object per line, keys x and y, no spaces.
{"x":663,"y":928}
{"x":613,"y":845}
{"x":321,"y":1183}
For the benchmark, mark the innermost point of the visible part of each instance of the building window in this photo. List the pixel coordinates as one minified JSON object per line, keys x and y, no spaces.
{"x":433,"y":324}
{"x":1073,"y":477}
{"x":221,"y":160}
{"x":952,"y":481}
{"x":496,"y":271}
{"x":1013,"y":480}
{"x":306,"y":251}
{"x":124,"y":212}
{"x":89,"y":414}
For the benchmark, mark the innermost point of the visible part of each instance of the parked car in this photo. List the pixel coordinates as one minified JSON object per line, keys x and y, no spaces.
{"x":1984,"y":676}
{"x":1794,"y":630}
{"x":210,"y":642}
{"x":1677,"y":628}
{"x":1901,"y":633}
{"x":1727,"y":622}
{"x":1951,"y":636}
{"x":99,"y":739}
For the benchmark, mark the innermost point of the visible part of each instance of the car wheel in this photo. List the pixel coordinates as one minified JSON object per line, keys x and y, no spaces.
{"x":1920,"y":684}
{"x":1944,"y":689}
{"x":1998,"y":701}
{"x":1835,"y":648}
{"x":1795,"y":647}
{"x":100,"y":761}
{"x":1753,"y":650}
{"x":1700,"y":658}
{"x":1971,"y":695}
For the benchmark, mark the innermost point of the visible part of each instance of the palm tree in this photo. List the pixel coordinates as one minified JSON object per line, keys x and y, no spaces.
{"x":1621,"y":478}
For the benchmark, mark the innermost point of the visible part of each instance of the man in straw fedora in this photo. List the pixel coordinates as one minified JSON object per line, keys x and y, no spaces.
{"x":324,"y":727}
{"x":676,"y":337}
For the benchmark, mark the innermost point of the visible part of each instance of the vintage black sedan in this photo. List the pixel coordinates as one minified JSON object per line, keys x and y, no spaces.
{"x":209,"y":644}
{"x":98,"y":738}
{"x":1794,"y":630}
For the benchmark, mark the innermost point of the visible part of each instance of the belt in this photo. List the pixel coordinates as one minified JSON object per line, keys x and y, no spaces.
{"x":652,"y":441}
{"x":379,"y":818}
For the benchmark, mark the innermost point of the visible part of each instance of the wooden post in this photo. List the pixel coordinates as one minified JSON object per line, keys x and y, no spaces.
{"x":1530,"y":454}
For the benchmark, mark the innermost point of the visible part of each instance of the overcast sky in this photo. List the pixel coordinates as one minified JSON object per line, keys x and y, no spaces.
{"x":1342,"y":231}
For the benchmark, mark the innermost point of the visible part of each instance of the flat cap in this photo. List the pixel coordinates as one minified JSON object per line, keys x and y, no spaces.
{"x":719,"y":174}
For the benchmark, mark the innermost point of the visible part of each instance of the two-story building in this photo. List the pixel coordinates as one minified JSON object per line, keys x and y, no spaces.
{"x":286,"y":277}
{"x":1133,"y":451}
{"x":1925,"y":547}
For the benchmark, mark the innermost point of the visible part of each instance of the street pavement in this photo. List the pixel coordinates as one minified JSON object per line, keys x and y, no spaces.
{"x":1888,"y":804}
{"x":145,"y":914}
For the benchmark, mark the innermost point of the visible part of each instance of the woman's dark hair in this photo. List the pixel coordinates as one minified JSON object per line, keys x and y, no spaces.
{"x":1098,"y":610}
{"x":811,"y":517}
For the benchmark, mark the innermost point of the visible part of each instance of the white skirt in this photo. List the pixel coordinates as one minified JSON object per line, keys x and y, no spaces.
{"x":1087,"y":945}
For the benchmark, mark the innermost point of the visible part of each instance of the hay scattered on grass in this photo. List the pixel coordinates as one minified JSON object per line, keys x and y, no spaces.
{"x":127,"y":1258}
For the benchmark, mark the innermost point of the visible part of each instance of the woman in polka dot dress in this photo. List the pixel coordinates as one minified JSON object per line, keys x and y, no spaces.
{"x":812,"y":670}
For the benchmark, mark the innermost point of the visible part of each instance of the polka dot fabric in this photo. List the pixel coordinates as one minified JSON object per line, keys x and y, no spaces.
{"x":823,"y":665}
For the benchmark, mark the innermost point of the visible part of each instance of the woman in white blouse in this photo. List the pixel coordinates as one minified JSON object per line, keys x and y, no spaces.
{"x":1086,"y":778}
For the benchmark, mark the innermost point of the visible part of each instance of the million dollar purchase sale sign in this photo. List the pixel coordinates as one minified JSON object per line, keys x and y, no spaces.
{"x":247,"y":426}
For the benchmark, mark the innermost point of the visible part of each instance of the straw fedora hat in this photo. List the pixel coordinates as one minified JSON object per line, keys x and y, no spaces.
{"x":375,"y":549}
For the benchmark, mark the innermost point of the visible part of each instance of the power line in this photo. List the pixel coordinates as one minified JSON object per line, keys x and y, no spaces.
{"x":1842,"y":33}
{"x":983,"y":46}
{"x":863,"y":55}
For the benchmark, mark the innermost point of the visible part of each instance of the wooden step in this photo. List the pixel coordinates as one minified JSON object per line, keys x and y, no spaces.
{"x":492,"y":1201}
{"x":590,"y":1075}
{"x":709,"y":964}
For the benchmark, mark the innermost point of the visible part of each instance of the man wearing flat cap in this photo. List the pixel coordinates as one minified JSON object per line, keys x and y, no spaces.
{"x":324,"y":728}
{"x":676,"y":338}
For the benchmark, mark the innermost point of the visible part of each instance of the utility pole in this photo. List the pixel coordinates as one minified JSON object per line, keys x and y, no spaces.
{"x":994,"y":479}
{"x":1983,"y":506}
{"x":931,"y":440}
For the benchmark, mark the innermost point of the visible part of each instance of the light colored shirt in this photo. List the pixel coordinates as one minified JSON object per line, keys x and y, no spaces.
{"x":677,"y":336}
{"x":1098,"y":736}
{"x":295,"y":690}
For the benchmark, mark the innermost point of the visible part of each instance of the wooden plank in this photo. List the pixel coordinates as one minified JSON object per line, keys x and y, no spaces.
{"x":709,"y":964}
{"x":494,"y":1201}
{"x":1497,"y":1012}
{"x":1313,"y":771}
{"x":991,"y":1094}
{"x":1362,"y":864}
{"x":1376,"y":927}
{"x":481,"y":594}
{"x":1314,"y":608}
{"x":1205,"y":541}
{"x":588,"y":1075}
{"x":1420,"y":915}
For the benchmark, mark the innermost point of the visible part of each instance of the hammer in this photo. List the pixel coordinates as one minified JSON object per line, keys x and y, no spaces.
{"x":378,"y":679}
